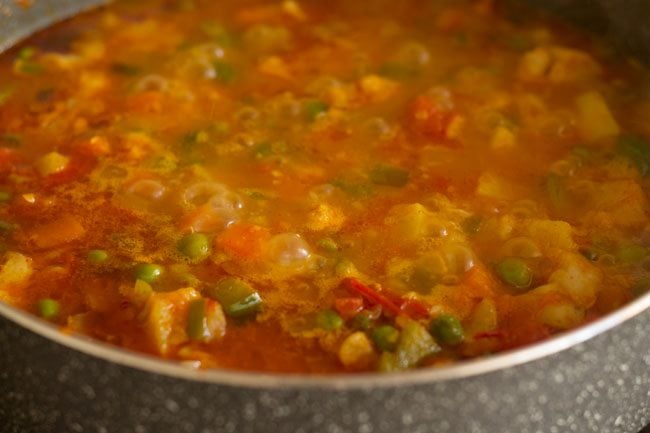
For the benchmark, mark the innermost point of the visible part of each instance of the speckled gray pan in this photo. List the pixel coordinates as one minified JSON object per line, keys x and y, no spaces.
{"x":594,"y":379}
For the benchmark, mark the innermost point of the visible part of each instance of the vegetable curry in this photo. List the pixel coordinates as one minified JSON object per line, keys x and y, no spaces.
{"x":321,"y":187}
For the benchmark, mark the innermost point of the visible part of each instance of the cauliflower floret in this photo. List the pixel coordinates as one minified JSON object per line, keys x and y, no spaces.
{"x":595,"y":120}
{"x":16,"y":271}
{"x":275,"y":66}
{"x":549,"y":235}
{"x":325,"y":217}
{"x":495,"y":187}
{"x":165,"y":315}
{"x":356,"y":351}
{"x":376,"y":88}
{"x":577,"y":278}
{"x":620,"y":202}
{"x":557,"y":65}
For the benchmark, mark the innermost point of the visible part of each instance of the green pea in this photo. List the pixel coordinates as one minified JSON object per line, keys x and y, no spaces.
{"x":328,"y":244}
{"x":195,"y":246}
{"x":148,"y":272}
{"x":386,"y":337}
{"x":237,"y":297}
{"x":329,"y":320}
{"x":225,"y":73}
{"x":26,"y":53}
{"x":363,"y":321}
{"x":217,"y":32}
{"x":125,"y":69}
{"x":641,"y":287}
{"x":314,"y":108}
{"x":389,"y":175}
{"x":48,"y":308}
{"x":345,"y":268}
{"x":6,"y":226}
{"x":631,"y":253}
{"x":472,"y":224}
{"x":515,"y":272}
{"x":447,"y":329}
{"x":4,"y":196}
{"x":97,"y":256}
{"x":5,"y":94}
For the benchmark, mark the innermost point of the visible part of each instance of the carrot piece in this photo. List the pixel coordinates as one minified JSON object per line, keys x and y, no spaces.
{"x":479,"y":281}
{"x":146,"y":102}
{"x":348,"y":307}
{"x":58,"y":232}
{"x":260,"y":14}
{"x":243,"y":241}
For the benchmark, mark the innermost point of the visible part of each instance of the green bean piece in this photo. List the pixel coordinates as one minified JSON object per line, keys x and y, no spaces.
{"x":353,"y":189}
{"x":385,"y":337}
{"x":515,"y":272}
{"x":197,"y":320}
{"x":447,"y":329}
{"x":237,"y":297}
{"x":4,"y":196}
{"x":414,"y":345}
{"x":148,"y":272}
{"x":48,"y":308}
{"x":556,"y":192}
{"x":195,"y":246}
{"x":329,"y":320}
{"x":637,"y":151}
{"x":97,"y":256}
{"x":388,"y":175}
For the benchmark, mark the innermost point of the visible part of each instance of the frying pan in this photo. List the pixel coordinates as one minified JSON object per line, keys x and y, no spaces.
{"x":593,"y":379}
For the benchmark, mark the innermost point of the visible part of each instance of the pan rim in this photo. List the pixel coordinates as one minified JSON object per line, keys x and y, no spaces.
{"x":335,"y":382}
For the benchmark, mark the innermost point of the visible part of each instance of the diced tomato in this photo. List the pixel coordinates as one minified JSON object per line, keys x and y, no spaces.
{"x":7,"y":158}
{"x":348,"y":307}
{"x":62,"y":230}
{"x":395,"y":304}
{"x":373,"y":296}
{"x":146,"y":102}
{"x":243,"y":241}
{"x":415,"y":309}
{"x":490,"y":334}
{"x":430,"y":118}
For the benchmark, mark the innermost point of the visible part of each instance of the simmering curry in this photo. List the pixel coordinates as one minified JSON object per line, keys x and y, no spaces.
{"x":321,"y":186}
